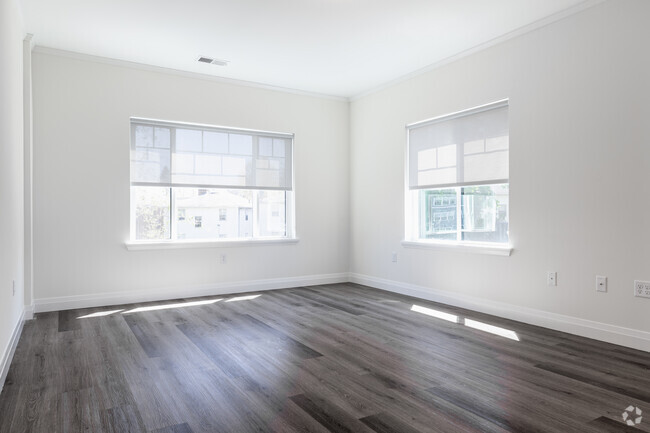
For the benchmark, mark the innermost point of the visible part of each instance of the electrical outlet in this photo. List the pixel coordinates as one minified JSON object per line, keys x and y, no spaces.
{"x":394,"y":257}
{"x":601,"y":283}
{"x":223,"y":259}
{"x":551,"y":278}
{"x":642,"y":289}
{"x":13,"y":288}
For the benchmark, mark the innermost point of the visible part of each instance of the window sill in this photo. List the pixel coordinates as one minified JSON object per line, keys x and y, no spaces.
{"x":476,"y":248}
{"x":164,"y":245}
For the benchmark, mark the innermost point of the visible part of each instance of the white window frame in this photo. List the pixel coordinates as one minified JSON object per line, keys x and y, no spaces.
{"x":290,"y":233}
{"x":411,"y":207}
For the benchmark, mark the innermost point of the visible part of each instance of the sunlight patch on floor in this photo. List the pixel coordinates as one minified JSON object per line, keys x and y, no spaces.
{"x":170,"y":306}
{"x":243,"y":298}
{"x":496,"y":330}
{"x":99,"y":314}
{"x":474,"y":324}
{"x":435,"y":313}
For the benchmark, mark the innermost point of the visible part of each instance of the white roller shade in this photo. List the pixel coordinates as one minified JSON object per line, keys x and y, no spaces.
{"x":466,"y":148}
{"x":169,"y":154}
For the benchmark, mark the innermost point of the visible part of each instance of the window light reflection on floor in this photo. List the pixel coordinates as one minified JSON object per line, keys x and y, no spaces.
{"x":99,"y":314}
{"x":169,"y":306}
{"x":435,"y":313}
{"x":496,"y":330}
{"x":243,"y":298}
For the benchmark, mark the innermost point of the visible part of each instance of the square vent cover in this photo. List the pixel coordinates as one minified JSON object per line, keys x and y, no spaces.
{"x":212,"y":61}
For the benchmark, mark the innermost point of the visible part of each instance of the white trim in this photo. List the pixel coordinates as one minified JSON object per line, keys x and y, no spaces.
{"x":129,"y":297}
{"x":480,"y":47}
{"x":461,"y":247}
{"x":28,"y":171}
{"x":29,"y":312}
{"x":8,"y":353}
{"x":627,"y":337}
{"x":163,"y":245}
{"x":29,"y":37}
{"x":187,"y":74}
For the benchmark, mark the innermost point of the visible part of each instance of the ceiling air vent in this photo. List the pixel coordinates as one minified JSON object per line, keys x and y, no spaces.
{"x":212,"y":61}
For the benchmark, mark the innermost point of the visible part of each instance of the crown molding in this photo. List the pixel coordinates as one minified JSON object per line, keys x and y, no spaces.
{"x":177,"y":72}
{"x":483,"y":46}
{"x":29,"y":38}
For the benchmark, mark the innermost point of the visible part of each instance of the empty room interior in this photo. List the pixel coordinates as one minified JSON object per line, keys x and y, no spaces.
{"x":325,"y":216}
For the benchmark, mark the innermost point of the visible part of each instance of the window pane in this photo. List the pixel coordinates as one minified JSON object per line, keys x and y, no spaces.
{"x":150,"y":165}
{"x":485,"y":213}
{"x":189,"y":140}
{"x":143,"y":136}
{"x":438,"y":219}
{"x":265,"y":146}
{"x":151,"y":212}
{"x":162,"y":138}
{"x":150,"y":155}
{"x":213,"y":213}
{"x":215,"y":142}
{"x":271,"y":213}
{"x":241,"y":144}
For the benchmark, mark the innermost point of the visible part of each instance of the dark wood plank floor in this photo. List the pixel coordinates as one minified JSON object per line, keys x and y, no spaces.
{"x":337,"y":358}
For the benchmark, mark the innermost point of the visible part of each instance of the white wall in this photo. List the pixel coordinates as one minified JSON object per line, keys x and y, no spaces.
{"x":81,"y":180}
{"x":579,"y":164}
{"x":11,"y":174}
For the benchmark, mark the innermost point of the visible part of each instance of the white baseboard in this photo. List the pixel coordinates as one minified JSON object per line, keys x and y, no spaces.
{"x":115,"y":298}
{"x":585,"y":328}
{"x":632,"y":338}
{"x":9,"y":351}
{"x":29,"y":312}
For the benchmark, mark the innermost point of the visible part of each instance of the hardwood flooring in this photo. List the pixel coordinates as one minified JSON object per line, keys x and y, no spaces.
{"x":336,"y":358}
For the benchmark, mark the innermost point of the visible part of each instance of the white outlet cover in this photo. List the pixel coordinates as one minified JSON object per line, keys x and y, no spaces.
{"x":601,"y":283}
{"x":551,"y":278}
{"x":642,"y":289}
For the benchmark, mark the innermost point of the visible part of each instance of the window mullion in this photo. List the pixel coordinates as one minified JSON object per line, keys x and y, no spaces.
{"x":255,"y":216}
{"x":256,"y":151}
{"x":172,"y":152}
{"x":459,"y":215}
{"x":173,"y":228}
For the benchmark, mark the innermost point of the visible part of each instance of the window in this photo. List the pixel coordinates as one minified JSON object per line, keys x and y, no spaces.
{"x":219,"y":183}
{"x":458,"y":186}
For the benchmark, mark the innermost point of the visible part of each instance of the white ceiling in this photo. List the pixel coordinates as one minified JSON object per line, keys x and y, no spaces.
{"x":333,"y":47}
